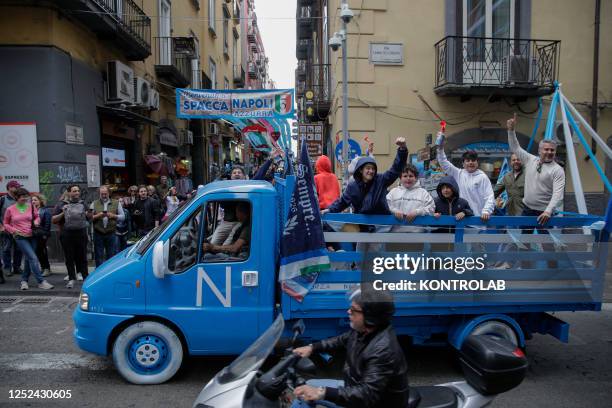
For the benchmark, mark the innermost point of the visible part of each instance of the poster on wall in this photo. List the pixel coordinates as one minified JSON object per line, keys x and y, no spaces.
{"x":19,"y":155}
{"x":93,"y":170}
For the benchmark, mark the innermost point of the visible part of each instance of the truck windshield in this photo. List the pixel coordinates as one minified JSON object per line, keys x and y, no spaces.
{"x":255,"y":355}
{"x":153,"y":235}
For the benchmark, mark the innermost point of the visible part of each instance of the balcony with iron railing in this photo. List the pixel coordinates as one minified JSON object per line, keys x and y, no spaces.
{"x":303,"y":49}
{"x":122,"y":22}
{"x":472,"y":66}
{"x":173,"y":57}
{"x":239,"y":76}
{"x":252,"y":70}
{"x":305,"y":23}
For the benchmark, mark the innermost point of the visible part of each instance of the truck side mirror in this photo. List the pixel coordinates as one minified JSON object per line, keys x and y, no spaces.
{"x":160,"y":259}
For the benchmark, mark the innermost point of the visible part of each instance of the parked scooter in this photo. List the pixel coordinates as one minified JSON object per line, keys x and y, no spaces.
{"x":491,"y":366}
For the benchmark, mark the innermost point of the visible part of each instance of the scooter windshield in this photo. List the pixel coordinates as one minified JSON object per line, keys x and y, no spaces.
{"x":253,"y":357}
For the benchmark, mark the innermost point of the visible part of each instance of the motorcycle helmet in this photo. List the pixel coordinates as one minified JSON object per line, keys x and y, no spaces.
{"x":378,"y":306}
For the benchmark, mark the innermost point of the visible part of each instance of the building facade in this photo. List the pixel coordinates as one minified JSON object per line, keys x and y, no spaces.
{"x":470,"y":62}
{"x":98,"y":77}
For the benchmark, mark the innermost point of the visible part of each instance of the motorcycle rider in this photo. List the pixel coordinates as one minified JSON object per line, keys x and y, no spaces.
{"x":375,"y":371}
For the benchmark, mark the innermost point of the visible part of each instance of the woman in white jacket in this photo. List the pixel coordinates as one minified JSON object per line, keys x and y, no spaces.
{"x":409,"y":200}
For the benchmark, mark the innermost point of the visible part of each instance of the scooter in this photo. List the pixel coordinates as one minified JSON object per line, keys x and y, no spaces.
{"x":491,"y":365}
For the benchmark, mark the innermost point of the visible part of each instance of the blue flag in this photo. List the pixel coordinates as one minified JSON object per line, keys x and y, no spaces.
{"x":505,"y":169}
{"x":302,"y":250}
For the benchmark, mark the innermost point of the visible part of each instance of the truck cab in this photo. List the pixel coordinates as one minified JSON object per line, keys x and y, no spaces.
{"x":167,"y":297}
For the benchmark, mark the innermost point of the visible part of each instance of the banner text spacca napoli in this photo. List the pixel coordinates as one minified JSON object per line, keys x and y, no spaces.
{"x":227,"y":104}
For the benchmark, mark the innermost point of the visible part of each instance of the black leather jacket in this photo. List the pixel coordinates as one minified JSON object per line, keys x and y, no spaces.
{"x":375,"y":371}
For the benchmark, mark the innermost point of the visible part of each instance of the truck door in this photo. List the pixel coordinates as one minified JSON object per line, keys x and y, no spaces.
{"x":212,"y":290}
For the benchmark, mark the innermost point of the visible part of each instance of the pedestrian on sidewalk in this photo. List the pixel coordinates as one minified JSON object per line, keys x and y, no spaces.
{"x":124,"y":228}
{"x":71,"y":215}
{"x":10,"y":251}
{"x":105,"y":214}
{"x":145,"y":213}
{"x":19,"y":220}
{"x":172,"y":203}
{"x":39,"y":202}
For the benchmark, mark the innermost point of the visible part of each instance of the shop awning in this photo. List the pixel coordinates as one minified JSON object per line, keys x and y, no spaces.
{"x":125,"y":114}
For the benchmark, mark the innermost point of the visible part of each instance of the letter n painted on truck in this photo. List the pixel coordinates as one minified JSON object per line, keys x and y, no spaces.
{"x":203,"y":277}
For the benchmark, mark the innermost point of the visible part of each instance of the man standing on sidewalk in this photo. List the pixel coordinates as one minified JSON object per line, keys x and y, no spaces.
{"x":106,"y":213}
{"x":10,"y":251}
{"x":71,"y":215}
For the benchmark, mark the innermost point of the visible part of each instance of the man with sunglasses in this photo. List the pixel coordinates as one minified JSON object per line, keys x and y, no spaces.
{"x":544,"y":178}
{"x":375,"y":371}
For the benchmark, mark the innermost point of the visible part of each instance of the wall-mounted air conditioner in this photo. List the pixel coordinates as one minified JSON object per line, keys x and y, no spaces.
{"x":142,"y":92}
{"x":213,"y":129}
{"x":520,"y":69}
{"x":120,"y":83}
{"x":153,"y":99}
{"x":186,"y":137}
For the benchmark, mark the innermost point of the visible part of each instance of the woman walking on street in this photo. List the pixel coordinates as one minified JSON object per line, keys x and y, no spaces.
{"x":71,"y":215}
{"x":19,"y":220}
{"x":39,"y":202}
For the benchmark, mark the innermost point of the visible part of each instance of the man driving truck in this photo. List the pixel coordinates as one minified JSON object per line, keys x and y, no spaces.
{"x":238,"y":240}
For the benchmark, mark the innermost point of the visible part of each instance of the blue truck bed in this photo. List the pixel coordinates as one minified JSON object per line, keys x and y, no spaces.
{"x":568,"y":276}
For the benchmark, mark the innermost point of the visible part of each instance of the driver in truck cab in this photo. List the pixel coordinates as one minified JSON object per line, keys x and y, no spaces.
{"x":238,"y":240}
{"x":375,"y":372}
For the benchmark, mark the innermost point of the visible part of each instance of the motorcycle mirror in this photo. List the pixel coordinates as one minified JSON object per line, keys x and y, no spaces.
{"x":299,"y":328}
{"x":306,"y":366}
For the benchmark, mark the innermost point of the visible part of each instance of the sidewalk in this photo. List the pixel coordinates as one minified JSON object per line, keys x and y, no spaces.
{"x":58,"y":272}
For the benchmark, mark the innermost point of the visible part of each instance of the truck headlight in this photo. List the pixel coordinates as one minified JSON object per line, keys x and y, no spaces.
{"x":84,"y":301}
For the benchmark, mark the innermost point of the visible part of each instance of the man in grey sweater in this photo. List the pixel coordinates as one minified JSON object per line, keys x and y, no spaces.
{"x":544,"y":178}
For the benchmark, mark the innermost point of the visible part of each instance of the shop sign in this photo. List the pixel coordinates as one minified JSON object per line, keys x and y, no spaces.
{"x":232,"y":104}
{"x":485,"y":148}
{"x":113,"y":157}
{"x":74,"y":134}
{"x":168,"y":139}
{"x":19,"y":155}
{"x":93,"y":170}
{"x":387,"y":53}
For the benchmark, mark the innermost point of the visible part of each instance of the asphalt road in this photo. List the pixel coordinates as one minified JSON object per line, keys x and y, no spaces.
{"x":37,"y":352}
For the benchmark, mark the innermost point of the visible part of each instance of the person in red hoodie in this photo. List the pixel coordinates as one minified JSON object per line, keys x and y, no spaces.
{"x":326,"y":183}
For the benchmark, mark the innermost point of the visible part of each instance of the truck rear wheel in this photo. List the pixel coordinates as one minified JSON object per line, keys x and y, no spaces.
{"x":147,"y":353}
{"x":497,"y":328}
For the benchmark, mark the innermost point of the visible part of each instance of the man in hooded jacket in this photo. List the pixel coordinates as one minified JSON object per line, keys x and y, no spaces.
{"x":367,"y":193}
{"x":326,"y":183}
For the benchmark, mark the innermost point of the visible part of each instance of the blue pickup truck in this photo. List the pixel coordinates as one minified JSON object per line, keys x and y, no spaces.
{"x":164,"y":298}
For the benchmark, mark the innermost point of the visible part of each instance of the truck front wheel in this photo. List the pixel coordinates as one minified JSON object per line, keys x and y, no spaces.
{"x":147,"y":353}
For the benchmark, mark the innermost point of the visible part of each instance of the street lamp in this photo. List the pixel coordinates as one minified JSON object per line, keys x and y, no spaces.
{"x":338,"y":41}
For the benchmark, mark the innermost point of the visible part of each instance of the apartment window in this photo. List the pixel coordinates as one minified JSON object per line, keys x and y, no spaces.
{"x":213,"y":73}
{"x":196,"y":76}
{"x":226,"y":84}
{"x":226,"y":17}
{"x":237,"y":10}
{"x":487,"y":19}
{"x":235,"y":47}
{"x":212,"y":15}
{"x":165,"y":29}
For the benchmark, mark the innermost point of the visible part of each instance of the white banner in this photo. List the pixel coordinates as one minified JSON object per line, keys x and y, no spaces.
{"x":19,"y":155}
